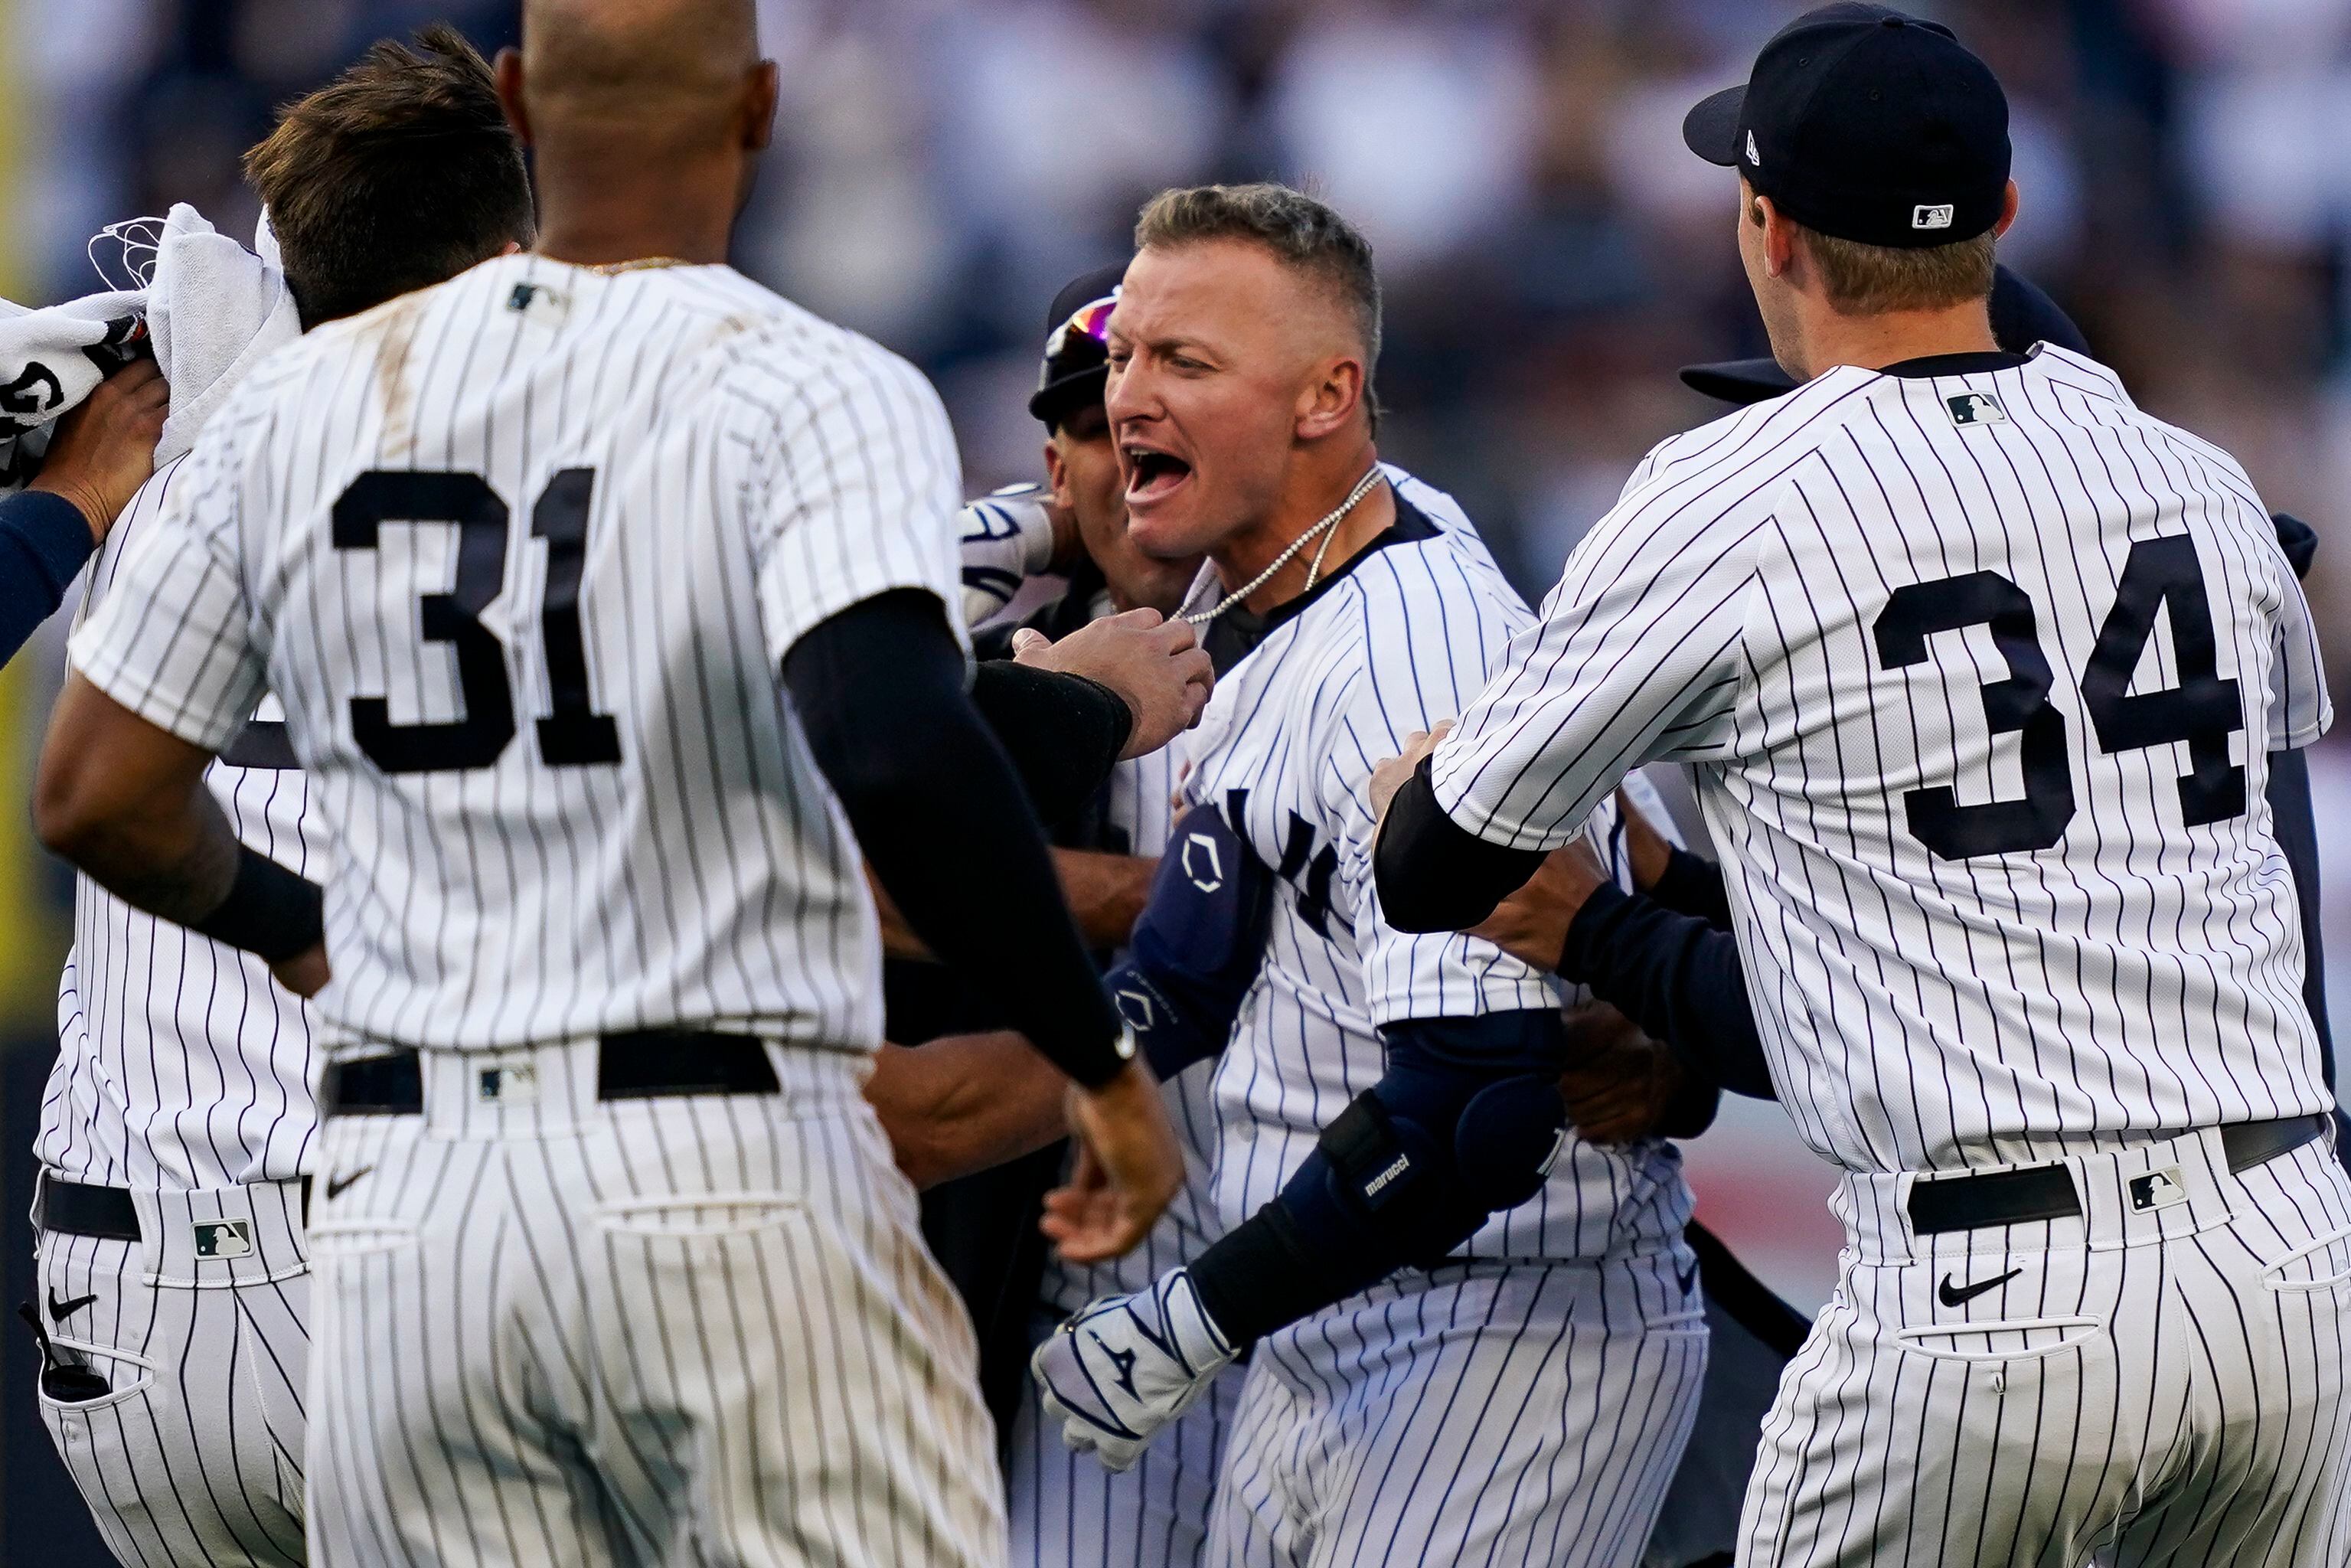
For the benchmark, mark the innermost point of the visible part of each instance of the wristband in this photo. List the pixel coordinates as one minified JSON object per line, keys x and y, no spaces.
{"x":269,"y":911}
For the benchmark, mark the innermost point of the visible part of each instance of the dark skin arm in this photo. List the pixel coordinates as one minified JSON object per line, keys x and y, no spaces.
{"x":964,"y":1103}
{"x":126,"y":802}
{"x":1106,"y":893}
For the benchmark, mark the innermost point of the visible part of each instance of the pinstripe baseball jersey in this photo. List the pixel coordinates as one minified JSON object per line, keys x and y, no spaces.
{"x":180,"y":1063}
{"x":1979,"y":666}
{"x":1397,"y":640}
{"x":521,"y":555}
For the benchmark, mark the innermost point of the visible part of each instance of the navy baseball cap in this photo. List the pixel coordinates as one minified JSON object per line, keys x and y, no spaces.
{"x":2022,"y":316}
{"x":1077,"y":357}
{"x":1866,"y":124}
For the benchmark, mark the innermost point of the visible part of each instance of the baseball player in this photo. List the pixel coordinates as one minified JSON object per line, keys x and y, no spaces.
{"x":1979,"y":668}
{"x":99,"y":454}
{"x":606,"y":593}
{"x":1385,"y":1101}
{"x":177,"y":1132}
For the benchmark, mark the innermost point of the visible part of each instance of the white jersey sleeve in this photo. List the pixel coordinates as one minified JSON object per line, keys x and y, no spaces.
{"x":855,"y":494}
{"x":1409,"y":682}
{"x":2299,"y":710}
{"x":1005,"y":539}
{"x":1635,"y":656}
{"x":176,"y":640}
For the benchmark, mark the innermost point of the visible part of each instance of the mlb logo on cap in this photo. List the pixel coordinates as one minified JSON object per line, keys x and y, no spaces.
{"x":1975,"y":408}
{"x":1937,"y":216}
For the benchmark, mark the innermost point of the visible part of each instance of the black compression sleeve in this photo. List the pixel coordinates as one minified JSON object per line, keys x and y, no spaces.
{"x":1676,"y":978}
{"x":2297,"y":828}
{"x":1433,"y":874}
{"x":1692,"y":884}
{"x":940,"y":816}
{"x":1063,"y":732}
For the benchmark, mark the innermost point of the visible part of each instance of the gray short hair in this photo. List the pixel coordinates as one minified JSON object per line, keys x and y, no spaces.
{"x":1300,"y":232}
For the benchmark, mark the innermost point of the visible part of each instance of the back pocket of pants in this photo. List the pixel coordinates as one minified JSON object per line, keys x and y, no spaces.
{"x":700,"y":1213}
{"x":2000,"y":1340}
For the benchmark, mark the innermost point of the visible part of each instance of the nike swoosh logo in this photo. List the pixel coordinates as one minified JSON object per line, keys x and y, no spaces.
{"x":335,"y":1185}
{"x":1952,"y":1295}
{"x":60,"y":1311}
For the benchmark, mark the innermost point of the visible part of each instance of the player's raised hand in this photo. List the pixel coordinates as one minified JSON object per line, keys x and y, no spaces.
{"x":1531,"y":923}
{"x":1157,"y":665}
{"x":1390,"y":776}
{"x":101,"y":452}
{"x":1128,"y":1169}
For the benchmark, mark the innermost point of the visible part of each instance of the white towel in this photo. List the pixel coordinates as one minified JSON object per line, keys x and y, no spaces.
{"x":216,"y":310}
{"x":209,"y":309}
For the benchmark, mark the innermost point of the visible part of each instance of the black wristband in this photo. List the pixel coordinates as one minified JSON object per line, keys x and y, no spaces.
{"x":269,"y":911}
{"x":1063,"y":732}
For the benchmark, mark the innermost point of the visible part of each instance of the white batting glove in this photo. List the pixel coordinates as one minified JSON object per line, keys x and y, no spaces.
{"x":1126,"y":1366}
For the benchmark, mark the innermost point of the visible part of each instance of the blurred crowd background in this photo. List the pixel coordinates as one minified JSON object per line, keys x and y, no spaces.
{"x":1551,"y":253}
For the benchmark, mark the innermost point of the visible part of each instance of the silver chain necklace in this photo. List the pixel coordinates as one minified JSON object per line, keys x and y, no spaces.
{"x":1326,"y":530}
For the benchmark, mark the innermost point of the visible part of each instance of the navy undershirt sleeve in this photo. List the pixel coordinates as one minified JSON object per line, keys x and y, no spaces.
{"x":2297,"y":828}
{"x":44,"y":540}
{"x":1675,"y":976}
{"x":940,"y":816}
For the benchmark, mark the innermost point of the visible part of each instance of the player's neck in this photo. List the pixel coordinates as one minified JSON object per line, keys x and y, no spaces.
{"x":1873,"y":342}
{"x":1312,"y":493}
{"x":602,"y":211}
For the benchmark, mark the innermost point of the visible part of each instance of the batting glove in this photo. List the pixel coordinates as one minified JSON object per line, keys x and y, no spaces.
{"x":1127,"y":1366}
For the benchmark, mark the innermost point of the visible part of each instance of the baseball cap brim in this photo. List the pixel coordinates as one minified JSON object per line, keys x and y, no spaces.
{"x":1712,"y":129}
{"x":1051,"y":401}
{"x":1738,"y":381}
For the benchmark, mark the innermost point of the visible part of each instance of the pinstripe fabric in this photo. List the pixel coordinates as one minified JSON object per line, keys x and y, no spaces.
{"x":180,"y":1062}
{"x":2141,"y":1388}
{"x":194,"y":1456}
{"x":753,"y":470}
{"x":1926,"y":1009}
{"x":1485,"y":1414}
{"x":1004,"y":543}
{"x":1397,"y":643}
{"x":687,"y":1331}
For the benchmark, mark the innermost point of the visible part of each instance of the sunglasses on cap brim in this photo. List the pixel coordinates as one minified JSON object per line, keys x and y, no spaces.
{"x":1088,"y":321}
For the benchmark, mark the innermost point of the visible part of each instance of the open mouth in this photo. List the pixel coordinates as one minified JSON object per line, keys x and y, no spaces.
{"x":1152,"y":476}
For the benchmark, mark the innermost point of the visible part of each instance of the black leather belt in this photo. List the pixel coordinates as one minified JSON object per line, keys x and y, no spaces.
{"x":78,"y":1208}
{"x":2046,"y":1192}
{"x":645,"y":1064}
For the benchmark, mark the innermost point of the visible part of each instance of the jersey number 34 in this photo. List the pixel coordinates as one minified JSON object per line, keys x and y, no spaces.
{"x":2202,"y":710}
{"x":574,"y":734}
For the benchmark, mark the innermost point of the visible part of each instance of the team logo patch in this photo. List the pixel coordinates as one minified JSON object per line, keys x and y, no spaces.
{"x":501,"y":1085}
{"x":2157,"y":1189}
{"x":1931,"y":215}
{"x":1202,"y":862}
{"x":1975,"y":408}
{"x":224,"y":1239}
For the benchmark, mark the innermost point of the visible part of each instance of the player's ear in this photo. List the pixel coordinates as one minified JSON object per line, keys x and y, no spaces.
{"x":1779,"y":236}
{"x":2006,"y":211}
{"x":760,"y":107}
{"x":1057,"y":476}
{"x":1331,"y":398}
{"x":508,"y":72}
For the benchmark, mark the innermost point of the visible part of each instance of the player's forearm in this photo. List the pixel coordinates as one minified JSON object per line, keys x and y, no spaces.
{"x":1675,"y":977}
{"x":944,"y":822}
{"x":964,"y":1102}
{"x":1434,"y":876}
{"x":1106,"y":892}
{"x":44,"y":540}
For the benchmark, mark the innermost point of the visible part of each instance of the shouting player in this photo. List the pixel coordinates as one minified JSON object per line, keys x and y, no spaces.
{"x":1523,"y":1394}
{"x":180,"y":1122}
{"x":606,"y":593}
{"x":1980,"y":667}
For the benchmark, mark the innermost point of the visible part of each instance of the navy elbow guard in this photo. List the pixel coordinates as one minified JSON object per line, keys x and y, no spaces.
{"x":1197,"y":945}
{"x":1466,"y":1122}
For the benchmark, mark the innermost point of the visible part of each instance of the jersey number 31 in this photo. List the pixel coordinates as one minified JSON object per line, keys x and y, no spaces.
{"x":2202,"y":710}
{"x":574,"y":734}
